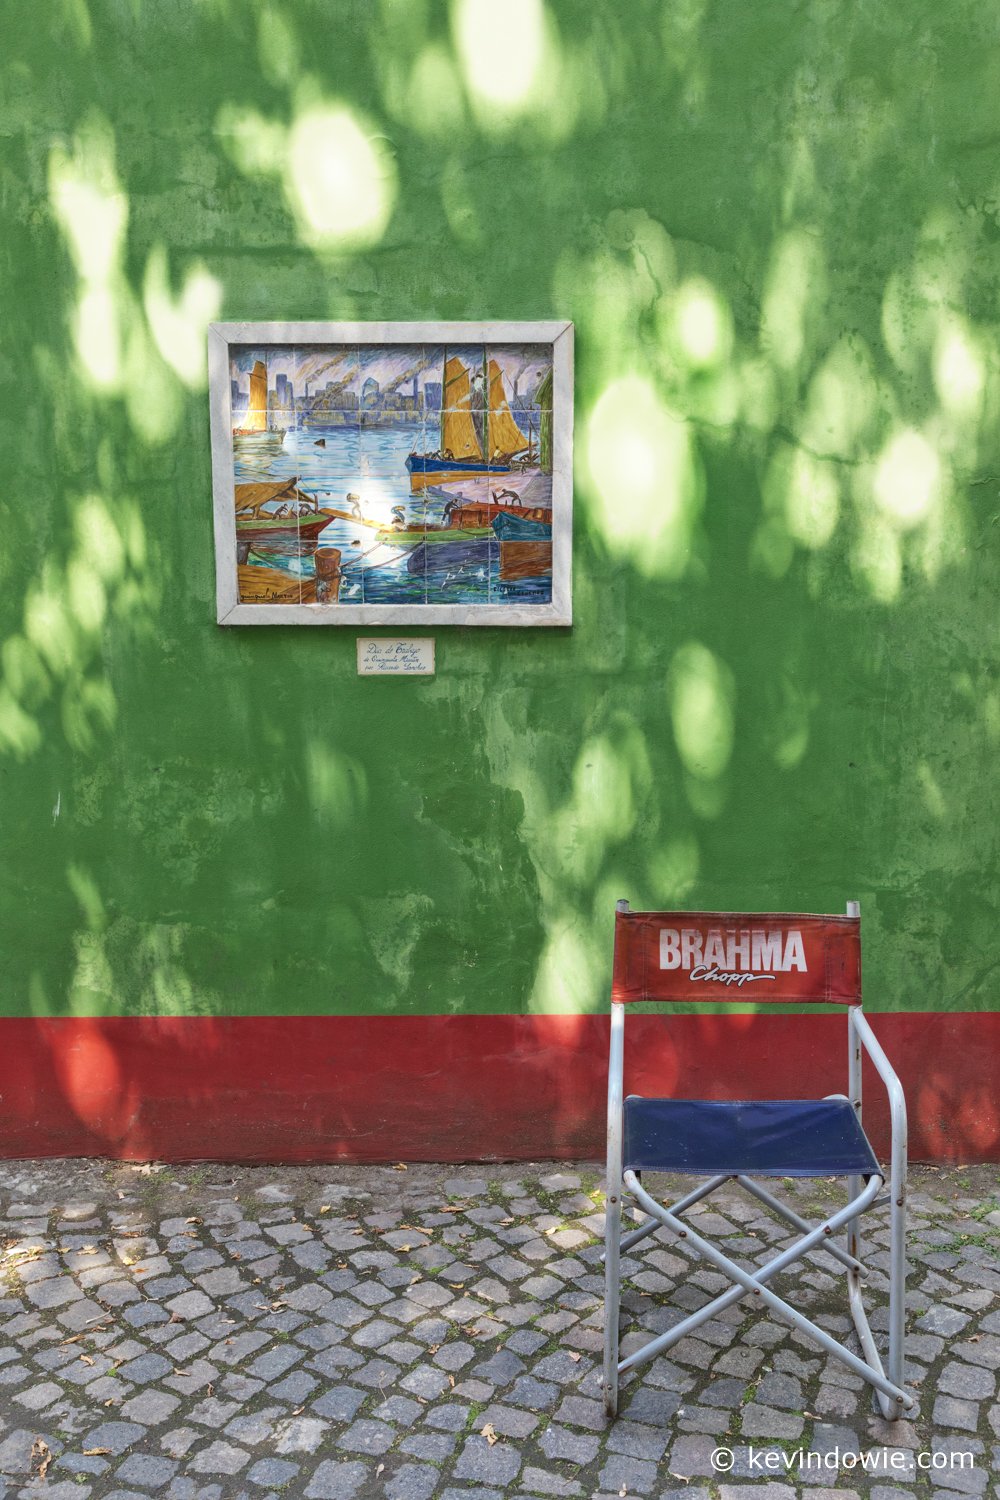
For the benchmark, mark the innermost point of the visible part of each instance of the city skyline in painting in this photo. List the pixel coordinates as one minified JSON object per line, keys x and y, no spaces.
{"x":296,"y":376}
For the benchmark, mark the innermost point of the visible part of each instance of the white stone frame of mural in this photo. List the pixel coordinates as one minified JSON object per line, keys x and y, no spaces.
{"x":229,"y":611}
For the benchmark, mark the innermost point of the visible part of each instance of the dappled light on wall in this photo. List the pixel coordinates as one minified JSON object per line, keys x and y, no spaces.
{"x":804,"y":492}
{"x":793,"y":294}
{"x":336,"y":171}
{"x":502,"y":50}
{"x":119,"y":353}
{"x":703,"y":324}
{"x":341,"y":178}
{"x":959,"y":377}
{"x":645,"y":491}
{"x":701,"y":708}
{"x":568,"y":977}
{"x":907,"y":477}
{"x":178,"y":323}
{"x":56,"y":654}
{"x":672,"y":871}
{"x":435,"y":98}
{"x":92,"y":211}
{"x":338,"y":786}
{"x":599,"y":812}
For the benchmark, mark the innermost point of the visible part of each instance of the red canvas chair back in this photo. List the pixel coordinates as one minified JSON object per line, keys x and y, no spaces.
{"x":700,"y":956}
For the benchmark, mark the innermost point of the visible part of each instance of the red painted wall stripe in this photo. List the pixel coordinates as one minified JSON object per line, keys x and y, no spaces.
{"x":454,"y":1088}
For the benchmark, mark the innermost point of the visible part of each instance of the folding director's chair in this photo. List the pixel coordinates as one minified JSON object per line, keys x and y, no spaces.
{"x":732,"y":956}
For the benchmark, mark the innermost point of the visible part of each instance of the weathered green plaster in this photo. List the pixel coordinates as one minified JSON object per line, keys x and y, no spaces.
{"x":776,"y":230}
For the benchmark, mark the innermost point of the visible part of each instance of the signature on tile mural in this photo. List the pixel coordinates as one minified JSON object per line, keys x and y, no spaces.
{"x":393,"y":472}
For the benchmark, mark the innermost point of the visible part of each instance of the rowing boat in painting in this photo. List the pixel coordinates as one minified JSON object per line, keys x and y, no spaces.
{"x":484,"y":513}
{"x":511,"y":528}
{"x":276,"y":515}
{"x":280,"y":509}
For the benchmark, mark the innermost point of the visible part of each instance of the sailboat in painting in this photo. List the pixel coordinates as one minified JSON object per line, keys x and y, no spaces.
{"x":256,"y":434}
{"x":468,"y":450}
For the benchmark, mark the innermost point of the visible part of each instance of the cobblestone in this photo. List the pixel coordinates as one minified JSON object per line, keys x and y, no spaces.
{"x":422,"y":1336}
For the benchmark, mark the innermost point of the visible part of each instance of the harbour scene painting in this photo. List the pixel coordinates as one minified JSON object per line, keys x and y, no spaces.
{"x":401,"y":474}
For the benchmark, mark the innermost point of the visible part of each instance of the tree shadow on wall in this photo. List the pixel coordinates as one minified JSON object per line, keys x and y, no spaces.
{"x":778,"y":243}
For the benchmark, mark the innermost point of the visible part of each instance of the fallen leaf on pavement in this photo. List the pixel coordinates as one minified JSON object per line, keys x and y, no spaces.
{"x":41,"y":1454}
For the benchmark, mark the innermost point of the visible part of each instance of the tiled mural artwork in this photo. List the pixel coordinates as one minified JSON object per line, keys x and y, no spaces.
{"x":393,"y":474}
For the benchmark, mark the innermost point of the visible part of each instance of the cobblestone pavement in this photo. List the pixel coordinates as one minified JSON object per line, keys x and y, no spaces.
{"x":209,"y":1333}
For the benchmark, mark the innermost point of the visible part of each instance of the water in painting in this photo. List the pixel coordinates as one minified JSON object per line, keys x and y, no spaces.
{"x":392,"y":474}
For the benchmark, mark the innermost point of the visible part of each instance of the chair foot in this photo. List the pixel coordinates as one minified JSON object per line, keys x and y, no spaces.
{"x":611,"y":1402}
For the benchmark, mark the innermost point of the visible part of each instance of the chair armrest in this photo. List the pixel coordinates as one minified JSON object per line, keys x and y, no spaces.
{"x":885,"y":1070}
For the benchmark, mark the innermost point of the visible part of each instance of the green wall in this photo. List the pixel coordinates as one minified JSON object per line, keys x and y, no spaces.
{"x":776,"y":231}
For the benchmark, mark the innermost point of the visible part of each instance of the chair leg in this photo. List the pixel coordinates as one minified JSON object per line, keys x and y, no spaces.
{"x":613,"y":1209}
{"x":897,"y":1268}
{"x":612,"y":1300}
{"x":612,"y":1272}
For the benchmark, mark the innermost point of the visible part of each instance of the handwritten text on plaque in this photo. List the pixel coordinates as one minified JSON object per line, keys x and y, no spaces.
{"x":396,"y":657}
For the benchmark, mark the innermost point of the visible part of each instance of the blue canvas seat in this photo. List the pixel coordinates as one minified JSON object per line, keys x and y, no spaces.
{"x":768,"y":1138}
{"x":766,"y":958}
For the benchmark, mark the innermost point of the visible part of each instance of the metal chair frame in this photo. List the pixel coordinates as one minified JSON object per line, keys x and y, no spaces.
{"x":893,"y":1398}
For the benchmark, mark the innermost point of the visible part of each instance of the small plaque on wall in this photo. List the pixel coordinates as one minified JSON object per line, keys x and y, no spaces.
{"x":392,"y":473}
{"x":412,"y":656}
